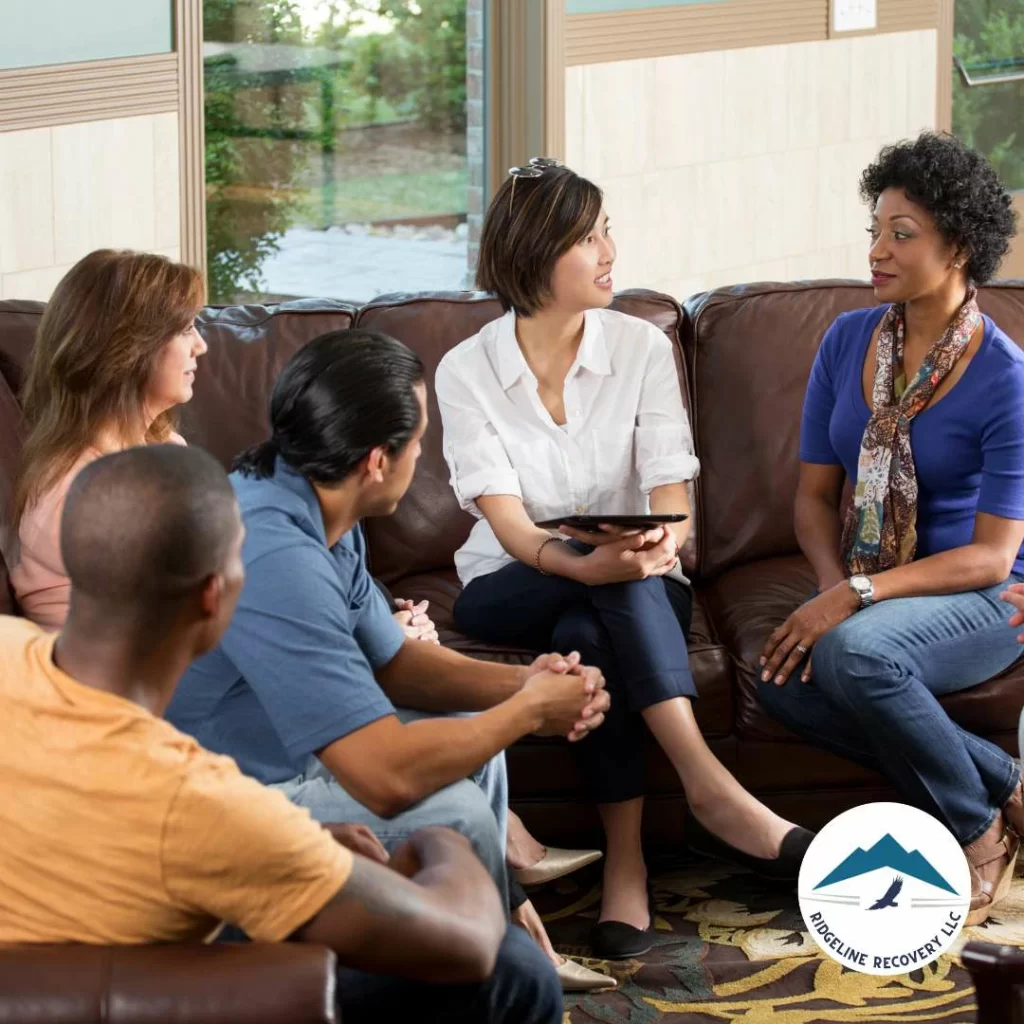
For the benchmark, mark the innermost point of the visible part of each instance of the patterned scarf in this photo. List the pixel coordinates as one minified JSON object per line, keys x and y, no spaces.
{"x":880,"y":531}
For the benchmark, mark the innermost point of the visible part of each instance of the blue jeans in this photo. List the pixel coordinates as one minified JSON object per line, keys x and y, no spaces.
{"x":522,"y":989}
{"x":477,"y":808}
{"x":873,"y":698}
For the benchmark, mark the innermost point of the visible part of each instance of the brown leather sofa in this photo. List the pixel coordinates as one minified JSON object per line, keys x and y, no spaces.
{"x":288,"y":983}
{"x":998,"y":976}
{"x":744,"y":356}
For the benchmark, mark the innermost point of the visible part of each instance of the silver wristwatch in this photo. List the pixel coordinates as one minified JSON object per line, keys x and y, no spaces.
{"x":864,"y":589}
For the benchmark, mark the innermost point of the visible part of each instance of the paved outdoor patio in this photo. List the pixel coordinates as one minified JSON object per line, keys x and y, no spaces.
{"x":341,"y":265}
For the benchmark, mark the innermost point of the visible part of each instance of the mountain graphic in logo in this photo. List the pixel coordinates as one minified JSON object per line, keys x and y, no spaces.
{"x":886,"y":853}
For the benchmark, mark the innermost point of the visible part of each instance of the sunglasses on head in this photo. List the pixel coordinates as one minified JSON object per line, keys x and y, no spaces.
{"x":535,"y":168}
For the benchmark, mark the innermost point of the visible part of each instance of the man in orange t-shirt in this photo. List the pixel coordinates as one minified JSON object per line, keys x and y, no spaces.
{"x":117,"y":828}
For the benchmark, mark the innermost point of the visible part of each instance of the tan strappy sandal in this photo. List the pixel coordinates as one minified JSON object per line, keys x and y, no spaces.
{"x":991,"y":858}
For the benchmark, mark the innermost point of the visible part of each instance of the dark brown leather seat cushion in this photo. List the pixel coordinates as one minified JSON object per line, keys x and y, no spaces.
{"x":748,"y":602}
{"x":709,"y":660}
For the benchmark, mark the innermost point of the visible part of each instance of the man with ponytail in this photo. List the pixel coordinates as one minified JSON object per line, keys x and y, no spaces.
{"x":314,"y":688}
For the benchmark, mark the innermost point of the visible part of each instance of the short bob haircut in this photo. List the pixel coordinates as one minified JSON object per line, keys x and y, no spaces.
{"x":958,"y":187}
{"x":532,"y":222}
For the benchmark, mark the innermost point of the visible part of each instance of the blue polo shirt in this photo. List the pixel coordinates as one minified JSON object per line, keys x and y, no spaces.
{"x":294,"y":671}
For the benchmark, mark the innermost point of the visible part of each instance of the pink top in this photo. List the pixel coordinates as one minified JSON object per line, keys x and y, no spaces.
{"x":39,"y":578}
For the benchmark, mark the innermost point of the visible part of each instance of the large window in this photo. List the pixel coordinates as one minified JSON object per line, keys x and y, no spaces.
{"x":336,"y":157}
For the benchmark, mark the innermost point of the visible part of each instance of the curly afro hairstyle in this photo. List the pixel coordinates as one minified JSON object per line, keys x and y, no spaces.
{"x":958,"y":187}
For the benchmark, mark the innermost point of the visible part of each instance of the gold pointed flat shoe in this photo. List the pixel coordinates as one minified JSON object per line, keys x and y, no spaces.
{"x":577,"y":978}
{"x":554,"y":864}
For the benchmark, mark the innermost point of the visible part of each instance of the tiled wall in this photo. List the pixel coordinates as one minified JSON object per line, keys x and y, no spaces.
{"x":67,"y":190}
{"x":742,"y":165}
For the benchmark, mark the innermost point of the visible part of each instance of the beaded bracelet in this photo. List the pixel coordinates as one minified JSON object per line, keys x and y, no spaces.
{"x":536,"y":558}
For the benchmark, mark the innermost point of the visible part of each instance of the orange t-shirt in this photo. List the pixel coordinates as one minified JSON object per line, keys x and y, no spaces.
{"x":39,"y":578}
{"x":115,"y":828}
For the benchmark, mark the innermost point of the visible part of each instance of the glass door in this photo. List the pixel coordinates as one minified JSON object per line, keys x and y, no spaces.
{"x":988,"y":95}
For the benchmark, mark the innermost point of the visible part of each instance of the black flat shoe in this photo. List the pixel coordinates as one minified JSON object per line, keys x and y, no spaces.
{"x":785,"y":867}
{"x":616,"y":940}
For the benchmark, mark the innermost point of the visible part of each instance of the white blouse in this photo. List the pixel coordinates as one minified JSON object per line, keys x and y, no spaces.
{"x":626,"y":432}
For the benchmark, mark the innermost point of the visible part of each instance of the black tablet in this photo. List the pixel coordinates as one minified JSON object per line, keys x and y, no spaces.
{"x":592,"y":524}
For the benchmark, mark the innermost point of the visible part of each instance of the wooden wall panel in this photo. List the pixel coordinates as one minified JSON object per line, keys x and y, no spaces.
{"x":907,"y":15}
{"x":660,"y":32}
{"x":92,"y":91}
{"x":705,"y":28}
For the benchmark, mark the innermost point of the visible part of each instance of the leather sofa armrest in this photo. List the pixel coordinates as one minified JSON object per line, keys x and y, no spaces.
{"x":258,"y":983}
{"x":998,"y":976}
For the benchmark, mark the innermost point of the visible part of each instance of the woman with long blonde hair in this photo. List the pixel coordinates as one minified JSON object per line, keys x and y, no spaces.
{"x":115,"y":354}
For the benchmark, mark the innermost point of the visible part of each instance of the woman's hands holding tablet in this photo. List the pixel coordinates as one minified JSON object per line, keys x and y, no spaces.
{"x":623,"y":555}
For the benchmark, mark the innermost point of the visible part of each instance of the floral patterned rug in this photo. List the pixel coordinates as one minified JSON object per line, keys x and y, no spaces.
{"x":733,"y":948}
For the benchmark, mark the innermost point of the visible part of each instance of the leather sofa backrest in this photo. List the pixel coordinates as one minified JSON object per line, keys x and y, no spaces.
{"x":249,"y":345}
{"x":18,"y":323}
{"x":749,"y":352}
{"x":228,"y":413}
{"x":429,"y":526}
{"x":10,"y":456}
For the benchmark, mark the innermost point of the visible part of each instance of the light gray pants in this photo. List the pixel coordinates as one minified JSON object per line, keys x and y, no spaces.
{"x":476,"y":807}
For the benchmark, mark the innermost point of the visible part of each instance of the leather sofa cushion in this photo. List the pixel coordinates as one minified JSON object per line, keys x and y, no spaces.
{"x":222,"y":983}
{"x":749,"y":352}
{"x":709,"y":661}
{"x":428,"y":528}
{"x":748,"y":602}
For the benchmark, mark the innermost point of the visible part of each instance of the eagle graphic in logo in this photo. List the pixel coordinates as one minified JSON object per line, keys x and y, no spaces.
{"x":889,"y":899}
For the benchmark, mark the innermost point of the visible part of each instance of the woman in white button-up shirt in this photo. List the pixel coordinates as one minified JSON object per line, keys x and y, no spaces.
{"x":564,"y":406}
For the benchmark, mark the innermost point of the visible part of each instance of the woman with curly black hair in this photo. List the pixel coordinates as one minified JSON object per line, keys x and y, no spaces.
{"x":919,"y":402}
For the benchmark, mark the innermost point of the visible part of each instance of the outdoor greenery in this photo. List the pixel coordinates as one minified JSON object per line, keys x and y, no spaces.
{"x":990,"y":40}
{"x":278,"y":128}
{"x":394,"y":196}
